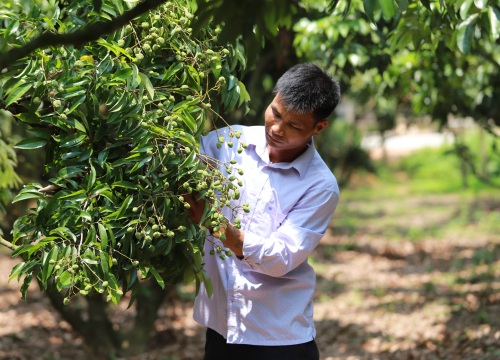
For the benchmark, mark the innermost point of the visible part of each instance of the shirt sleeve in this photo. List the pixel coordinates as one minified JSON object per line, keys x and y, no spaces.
{"x":299,"y":234}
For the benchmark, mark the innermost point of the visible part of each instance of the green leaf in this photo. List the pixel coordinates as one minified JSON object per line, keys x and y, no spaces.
{"x":28,"y":118}
{"x":30,"y":249}
{"x":47,"y":266}
{"x":17,"y":93}
{"x":125,"y":185}
{"x":157,"y":276}
{"x":480,"y":4}
{"x":17,"y":271}
{"x":26,"y":196}
{"x":90,"y":261}
{"x":188,"y":275}
{"x":465,"y":33}
{"x":494,"y":23}
{"x":115,"y":49}
{"x":189,"y":121}
{"x":73,"y":140}
{"x":103,"y":236}
{"x":69,"y":172}
{"x":64,"y":232}
{"x":123,"y":73}
{"x":122,"y":101}
{"x":464,"y":8}
{"x":172,"y":70}
{"x":25,"y":286}
{"x":244,"y":95}
{"x":76,"y":196}
{"x":104,"y":257}
{"x":92,"y":178}
{"x":146,"y":83}
{"x":72,"y":92}
{"x":389,"y":8}
{"x":370,"y":6}
{"x":121,"y":213}
{"x":28,"y":144}
{"x":74,"y":105}
{"x":208,"y":283}
{"x":65,"y":279}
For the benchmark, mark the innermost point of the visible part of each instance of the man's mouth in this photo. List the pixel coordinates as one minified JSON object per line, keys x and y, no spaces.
{"x":273,"y":139}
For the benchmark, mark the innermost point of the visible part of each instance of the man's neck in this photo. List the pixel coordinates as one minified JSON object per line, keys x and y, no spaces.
{"x":286,"y":156}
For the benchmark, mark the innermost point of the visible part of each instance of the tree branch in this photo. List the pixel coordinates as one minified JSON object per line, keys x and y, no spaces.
{"x":7,"y":244}
{"x":79,"y":37}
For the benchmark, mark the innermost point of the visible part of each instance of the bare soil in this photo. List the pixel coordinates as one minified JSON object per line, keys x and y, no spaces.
{"x":378,"y":297}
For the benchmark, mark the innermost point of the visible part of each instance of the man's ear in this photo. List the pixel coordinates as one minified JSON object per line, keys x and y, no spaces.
{"x":320,"y":125}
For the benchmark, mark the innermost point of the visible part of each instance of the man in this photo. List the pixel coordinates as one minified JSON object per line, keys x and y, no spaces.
{"x":261,"y":307}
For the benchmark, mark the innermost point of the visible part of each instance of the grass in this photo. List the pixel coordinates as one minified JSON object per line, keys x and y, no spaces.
{"x":420,"y":196}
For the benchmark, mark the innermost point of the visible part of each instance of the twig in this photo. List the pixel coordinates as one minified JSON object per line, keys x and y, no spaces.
{"x":7,"y":244}
{"x":80,"y":37}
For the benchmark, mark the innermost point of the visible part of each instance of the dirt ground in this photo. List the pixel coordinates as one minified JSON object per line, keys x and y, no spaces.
{"x":435,"y":297}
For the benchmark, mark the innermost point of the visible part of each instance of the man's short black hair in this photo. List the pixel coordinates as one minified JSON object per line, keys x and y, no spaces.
{"x":307,"y":88}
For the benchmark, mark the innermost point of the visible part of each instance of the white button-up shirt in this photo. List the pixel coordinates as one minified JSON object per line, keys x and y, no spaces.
{"x":266,"y":298}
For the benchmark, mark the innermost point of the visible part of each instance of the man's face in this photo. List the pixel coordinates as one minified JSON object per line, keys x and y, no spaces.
{"x":288,"y":132}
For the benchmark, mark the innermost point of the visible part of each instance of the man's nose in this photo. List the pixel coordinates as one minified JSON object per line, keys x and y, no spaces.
{"x":278,"y":128}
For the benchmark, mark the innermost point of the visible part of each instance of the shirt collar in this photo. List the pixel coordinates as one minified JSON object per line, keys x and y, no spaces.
{"x":300,"y":164}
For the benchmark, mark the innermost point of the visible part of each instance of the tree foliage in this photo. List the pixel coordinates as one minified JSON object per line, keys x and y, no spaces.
{"x":433,"y":57}
{"x":119,"y":120}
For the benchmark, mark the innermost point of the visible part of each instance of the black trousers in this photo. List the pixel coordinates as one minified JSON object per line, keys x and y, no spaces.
{"x":216,"y":348}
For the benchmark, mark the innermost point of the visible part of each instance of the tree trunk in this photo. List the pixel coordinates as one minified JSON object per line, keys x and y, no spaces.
{"x":91,"y":322}
{"x":88,"y":316}
{"x":148,"y":300}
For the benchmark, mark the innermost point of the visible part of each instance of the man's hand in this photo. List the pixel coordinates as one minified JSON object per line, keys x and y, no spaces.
{"x":233,"y":237}
{"x":196,"y":207}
